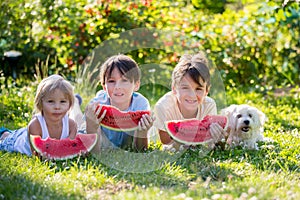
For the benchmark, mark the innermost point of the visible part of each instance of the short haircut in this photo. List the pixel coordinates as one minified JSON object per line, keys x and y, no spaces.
{"x":126,"y":65}
{"x":195,"y":65}
{"x":50,"y":84}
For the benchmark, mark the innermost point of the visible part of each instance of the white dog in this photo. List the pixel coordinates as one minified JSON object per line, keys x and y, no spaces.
{"x":244,"y":125}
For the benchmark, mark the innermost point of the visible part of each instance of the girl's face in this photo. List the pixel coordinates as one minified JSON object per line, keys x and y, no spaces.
{"x":55,"y":106}
{"x":120,"y":89}
{"x":189,"y":96}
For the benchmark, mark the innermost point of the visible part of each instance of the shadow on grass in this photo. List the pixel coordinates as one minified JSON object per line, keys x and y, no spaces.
{"x":205,"y":166}
{"x":154,"y":167}
{"x":149,"y":170}
{"x":22,"y":179}
{"x":20,"y":187}
{"x":128,"y":169}
{"x":191,"y":165}
{"x":163,"y":169}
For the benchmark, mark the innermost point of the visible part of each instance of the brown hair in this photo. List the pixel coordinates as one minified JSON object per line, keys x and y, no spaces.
{"x":48,"y":85}
{"x":126,"y":65}
{"x":195,"y":65}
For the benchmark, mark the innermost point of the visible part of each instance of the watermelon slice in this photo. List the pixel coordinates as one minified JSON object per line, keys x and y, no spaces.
{"x":119,"y":120}
{"x":193,"y":131}
{"x":55,"y":149}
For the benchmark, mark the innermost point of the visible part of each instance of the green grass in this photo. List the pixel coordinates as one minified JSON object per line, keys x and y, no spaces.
{"x":272,"y":172}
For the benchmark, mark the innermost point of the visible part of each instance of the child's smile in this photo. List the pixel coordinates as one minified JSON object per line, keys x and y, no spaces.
{"x":118,"y":94}
{"x":191,"y":101}
{"x":189,"y":96}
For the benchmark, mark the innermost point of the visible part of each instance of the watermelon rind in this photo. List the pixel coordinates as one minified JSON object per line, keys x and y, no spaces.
{"x":92,"y":145}
{"x":209,"y":117}
{"x":119,"y":129}
{"x":82,"y":137}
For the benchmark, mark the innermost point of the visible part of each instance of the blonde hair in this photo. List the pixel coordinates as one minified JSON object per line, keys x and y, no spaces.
{"x":50,"y":84}
{"x":195,"y":65}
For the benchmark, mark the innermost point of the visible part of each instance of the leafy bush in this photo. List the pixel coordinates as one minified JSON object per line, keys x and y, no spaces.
{"x":253,"y":44}
{"x":16,"y":104}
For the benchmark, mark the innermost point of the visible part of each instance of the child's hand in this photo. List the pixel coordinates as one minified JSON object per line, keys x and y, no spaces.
{"x":217,"y":132}
{"x":146,"y":122}
{"x":92,"y":114}
{"x":97,"y":113}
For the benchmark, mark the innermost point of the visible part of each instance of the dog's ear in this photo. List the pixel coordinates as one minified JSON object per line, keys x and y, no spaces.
{"x":229,"y":110}
{"x":229,"y":113}
{"x":262,"y":117}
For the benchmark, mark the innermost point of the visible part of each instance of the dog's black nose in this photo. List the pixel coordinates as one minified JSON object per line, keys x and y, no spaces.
{"x":247,"y":122}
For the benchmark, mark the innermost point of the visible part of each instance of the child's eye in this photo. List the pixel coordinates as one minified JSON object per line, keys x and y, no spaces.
{"x":111,"y":81}
{"x":199,"y":89}
{"x":63,"y":101}
{"x":50,"y":101}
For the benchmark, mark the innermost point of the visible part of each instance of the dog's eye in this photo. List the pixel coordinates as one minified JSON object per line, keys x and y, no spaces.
{"x":250,"y":115}
{"x":239,"y":116}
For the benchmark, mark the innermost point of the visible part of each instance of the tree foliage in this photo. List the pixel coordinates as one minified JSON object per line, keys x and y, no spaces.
{"x":251,"y":42}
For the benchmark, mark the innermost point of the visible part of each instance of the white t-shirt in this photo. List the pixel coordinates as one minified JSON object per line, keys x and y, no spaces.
{"x":167,"y":109}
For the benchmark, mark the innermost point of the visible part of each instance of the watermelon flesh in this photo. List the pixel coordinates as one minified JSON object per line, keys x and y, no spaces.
{"x":193,"y":131}
{"x":55,"y":149}
{"x":120,"y":120}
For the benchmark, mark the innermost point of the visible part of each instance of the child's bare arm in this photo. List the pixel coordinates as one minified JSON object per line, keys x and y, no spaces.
{"x":34,"y":128}
{"x":168,"y":142}
{"x":72,"y":129}
{"x":141,"y":137}
{"x":164,"y":137}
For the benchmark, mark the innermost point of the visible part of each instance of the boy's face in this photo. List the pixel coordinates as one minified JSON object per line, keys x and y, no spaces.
{"x":189,"y":95}
{"x":120,"y":89}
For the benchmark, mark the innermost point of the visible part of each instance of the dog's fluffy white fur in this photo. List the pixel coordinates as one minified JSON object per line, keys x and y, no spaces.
{"x":245,"y":125}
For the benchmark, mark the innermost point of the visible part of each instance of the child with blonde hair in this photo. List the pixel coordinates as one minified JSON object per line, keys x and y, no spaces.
{"x":53,"y":100}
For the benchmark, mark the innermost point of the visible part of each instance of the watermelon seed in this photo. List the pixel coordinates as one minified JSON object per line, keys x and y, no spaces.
{"x":176,"y":128}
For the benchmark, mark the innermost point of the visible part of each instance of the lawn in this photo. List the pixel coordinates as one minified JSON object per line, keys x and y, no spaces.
{"x":272,"y":172}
